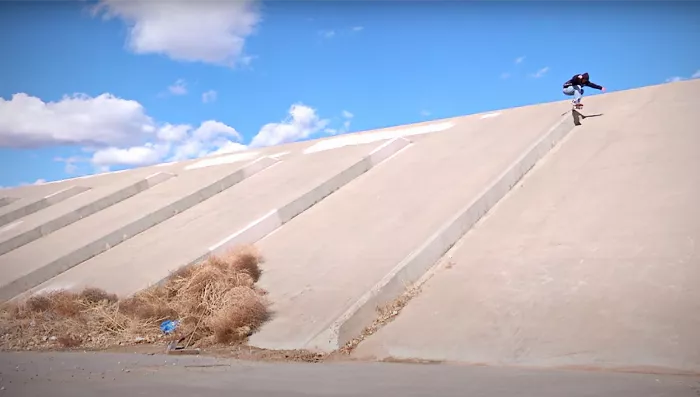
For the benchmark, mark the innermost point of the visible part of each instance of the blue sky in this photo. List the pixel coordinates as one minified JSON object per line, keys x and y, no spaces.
{"x":305,"y":70}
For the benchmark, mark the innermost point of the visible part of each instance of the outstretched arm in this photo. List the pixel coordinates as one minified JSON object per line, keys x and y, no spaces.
{"x":593,"y":85}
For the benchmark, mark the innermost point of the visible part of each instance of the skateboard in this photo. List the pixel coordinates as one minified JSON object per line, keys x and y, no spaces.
{"x":577,"y":106}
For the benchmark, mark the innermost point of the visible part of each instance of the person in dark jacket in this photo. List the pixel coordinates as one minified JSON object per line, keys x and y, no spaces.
{"x":574,"y":86}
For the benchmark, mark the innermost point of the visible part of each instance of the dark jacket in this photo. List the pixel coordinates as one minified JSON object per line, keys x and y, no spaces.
{"x":581,"y":79}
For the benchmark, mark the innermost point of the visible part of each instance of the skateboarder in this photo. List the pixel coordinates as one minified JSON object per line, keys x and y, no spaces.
{"x":574,"y":86}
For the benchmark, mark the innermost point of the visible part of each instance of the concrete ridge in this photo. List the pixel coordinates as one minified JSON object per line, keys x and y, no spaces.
{"x":40,"y":204}
{"x":7,"y":201}
{"x":116,"y":237}
{"x":84,"y":211}
{"x":363,"y":312}
{"x":276,"y":218}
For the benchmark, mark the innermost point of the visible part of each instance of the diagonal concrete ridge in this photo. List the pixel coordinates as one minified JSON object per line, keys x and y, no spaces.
{"x":296,"y":185}
{"x":47,"y":271}
{"x":84,"y":211}
{"x":7,"y":201}
{"x":40,"y":204}
{"x":363,"y":312}
{"x":278,"y":217}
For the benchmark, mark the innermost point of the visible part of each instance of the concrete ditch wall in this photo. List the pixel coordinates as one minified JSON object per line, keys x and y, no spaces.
{"x":345,"y":223}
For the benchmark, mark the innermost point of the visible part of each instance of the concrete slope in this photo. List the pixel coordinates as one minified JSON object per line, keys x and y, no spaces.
{"x":36,"y":262}
{"x":591,"y":262}
{"x":254,"y":209}
{"x":62,"y":214}
{"x":23,"y":207}
{"x":321,"y":266}
{"x":7,"y":200}
{"x":31,"y":195}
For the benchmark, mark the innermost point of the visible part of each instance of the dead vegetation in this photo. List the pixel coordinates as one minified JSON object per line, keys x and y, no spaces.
{"x":215,"y":302}
{"x":385,"y":315}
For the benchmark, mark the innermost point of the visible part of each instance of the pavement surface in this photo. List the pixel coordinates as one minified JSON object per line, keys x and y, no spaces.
{"x":106,"y":375}
{"x":591,"y":261}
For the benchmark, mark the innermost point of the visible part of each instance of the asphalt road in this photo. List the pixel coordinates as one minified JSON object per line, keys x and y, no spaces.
{"x":131,"y":375}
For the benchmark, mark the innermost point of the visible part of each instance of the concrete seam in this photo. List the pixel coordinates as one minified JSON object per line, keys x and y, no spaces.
{"x":40,"y":204}
{"x":83,"y":212}
{"x":7,"y":200}
{"x":276,"y":218}
{"x":411,"y":268}
{"x":124,"y":233}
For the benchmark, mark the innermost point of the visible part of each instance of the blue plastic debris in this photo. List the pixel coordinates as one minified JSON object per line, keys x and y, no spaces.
{"x":168,"y":326}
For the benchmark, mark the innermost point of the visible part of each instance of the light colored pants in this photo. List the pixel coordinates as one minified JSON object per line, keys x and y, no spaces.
{"x":574,"y":90}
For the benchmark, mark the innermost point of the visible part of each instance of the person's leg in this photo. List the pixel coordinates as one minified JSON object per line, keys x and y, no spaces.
{"x":578,"y":93}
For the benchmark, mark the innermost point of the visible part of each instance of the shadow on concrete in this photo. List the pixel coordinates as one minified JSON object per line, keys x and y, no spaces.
{"x":578,"y":116}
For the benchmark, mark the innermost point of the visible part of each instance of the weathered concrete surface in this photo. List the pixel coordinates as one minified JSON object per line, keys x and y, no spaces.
{"x":39,"y":261}
{"x":319,"y":265}
{"x":23,"y":208}
{"x":107,"y":375}
{"x":67,"y":212}
{"x":6,"y":200}
{"x":135,"y":264}
{"x":592,"y":260}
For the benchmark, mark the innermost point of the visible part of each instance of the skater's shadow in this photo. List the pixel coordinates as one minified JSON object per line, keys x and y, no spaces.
{"x":578,"y":116}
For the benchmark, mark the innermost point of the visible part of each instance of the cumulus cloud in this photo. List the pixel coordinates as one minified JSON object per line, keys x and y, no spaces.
{"x":519,"y":60}
{"x":112,"y":131}
{"x":28,"y":122}
{"x":209,"y":96}
{"x":115,"y":131}
{"x":540,"y":72}
{"x":149,"y":153}
{"x":197,"y":31}
{"x":301,"y":123}
{"x":176,"y":142}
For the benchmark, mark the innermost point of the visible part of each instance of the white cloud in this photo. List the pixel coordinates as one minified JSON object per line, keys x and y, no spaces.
{"x":541,"y":72}
{"x":29,"y":122}
{"x":301,"y":123}
{"x":696,"y":75}
{"x":132,"y":156}
{"x":347,"y":114}
{"x":358,"y":28}
{"x":425,"y":113}
{"x":209,"y":96}
{"x":327,"y":33}
{"x":519,"y":60}
{"x":505,"y":75}
{"x":176,"y":142}
{"x":115,"y":131}
{"x":173,"y":133}
{"x":118,"y":132}
{"x":674,"y":79}
{"x":178,"y":88}
{"x":198,"y":31}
